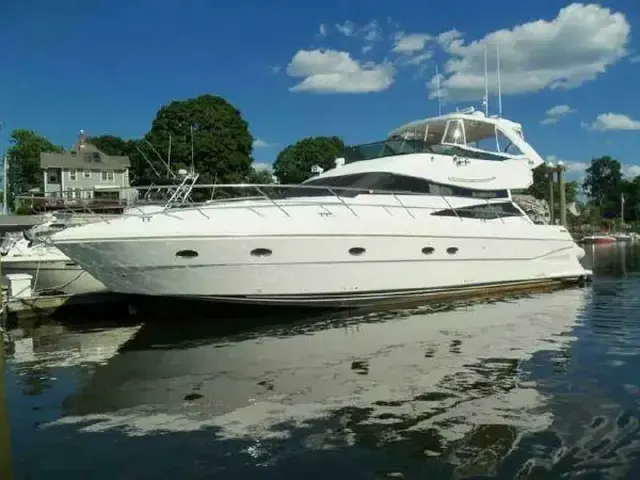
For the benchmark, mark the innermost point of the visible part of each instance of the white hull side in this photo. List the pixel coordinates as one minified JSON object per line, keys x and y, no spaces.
{"x":314,"y":268}
{"x":57,"y":275}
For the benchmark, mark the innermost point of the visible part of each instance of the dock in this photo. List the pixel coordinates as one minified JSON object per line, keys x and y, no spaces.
{"x":18,"y":223}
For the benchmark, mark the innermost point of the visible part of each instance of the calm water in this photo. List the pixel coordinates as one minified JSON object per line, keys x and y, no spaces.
{"x":539,"y":386}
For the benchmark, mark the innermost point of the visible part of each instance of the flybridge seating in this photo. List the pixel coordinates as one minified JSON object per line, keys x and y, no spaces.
{"x":467,"y":134}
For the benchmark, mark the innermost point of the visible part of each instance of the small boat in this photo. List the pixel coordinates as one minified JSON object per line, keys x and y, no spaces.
{"x":623,"y":237}
{"x":52,"y":270}
{"x":599,"y":239}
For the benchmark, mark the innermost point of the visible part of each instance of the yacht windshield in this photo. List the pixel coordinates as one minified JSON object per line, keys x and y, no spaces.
{"x":399,"y":146}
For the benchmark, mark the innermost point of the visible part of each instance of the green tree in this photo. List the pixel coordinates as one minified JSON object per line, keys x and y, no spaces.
{"x":260,"y":176}
{"x":540,"y":187}
{"x":631,"y":191}
{"x":24,"y":172}
{"x":111,"y":145}
{"x":210,"y":128}
{"x":603,"y":184}
{"x":294,"y":162}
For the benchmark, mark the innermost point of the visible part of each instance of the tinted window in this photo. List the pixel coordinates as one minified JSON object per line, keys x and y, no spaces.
{"x":484,"y":211}
{"x":400,"y":146}
{"x":377,"y":181}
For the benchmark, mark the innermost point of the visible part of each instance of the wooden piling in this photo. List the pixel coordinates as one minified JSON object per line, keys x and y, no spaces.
{"x":551,"y":201}
{"x":6,"y":471}
{"x":563,"y":201}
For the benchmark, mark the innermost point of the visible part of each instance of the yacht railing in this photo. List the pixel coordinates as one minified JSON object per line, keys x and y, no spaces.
{"x":202,"y":197}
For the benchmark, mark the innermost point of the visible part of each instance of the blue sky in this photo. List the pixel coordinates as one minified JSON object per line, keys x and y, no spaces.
{"x":353,"y":68}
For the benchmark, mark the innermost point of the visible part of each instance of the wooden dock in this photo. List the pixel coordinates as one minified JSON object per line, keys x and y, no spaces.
{"x":17,"y":223}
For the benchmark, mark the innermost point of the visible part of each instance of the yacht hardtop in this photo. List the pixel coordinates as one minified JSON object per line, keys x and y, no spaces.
{"x":462,"y":149}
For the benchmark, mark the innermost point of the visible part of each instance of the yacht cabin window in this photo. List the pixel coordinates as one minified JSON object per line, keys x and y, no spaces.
{"x":454,"y":133}
{"x":381,"y":183}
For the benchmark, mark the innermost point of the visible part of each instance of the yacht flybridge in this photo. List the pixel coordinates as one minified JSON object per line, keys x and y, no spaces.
{"x":429,"y":209}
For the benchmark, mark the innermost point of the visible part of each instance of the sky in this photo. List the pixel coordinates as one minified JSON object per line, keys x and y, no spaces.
{"x":570,"y":72}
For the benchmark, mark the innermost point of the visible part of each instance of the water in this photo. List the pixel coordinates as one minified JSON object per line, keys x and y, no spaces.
{"x":537,"y":386}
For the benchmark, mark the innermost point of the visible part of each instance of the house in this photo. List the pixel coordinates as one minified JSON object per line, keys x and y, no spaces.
{"x":85,"y":173}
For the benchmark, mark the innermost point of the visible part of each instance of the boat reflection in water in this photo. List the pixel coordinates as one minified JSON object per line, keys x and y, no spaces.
{"x":447,"y":386}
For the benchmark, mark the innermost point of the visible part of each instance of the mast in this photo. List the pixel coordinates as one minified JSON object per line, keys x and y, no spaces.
{"x":486,"y":84}
{"x":438,"y":90}
{"x":499,"y":83}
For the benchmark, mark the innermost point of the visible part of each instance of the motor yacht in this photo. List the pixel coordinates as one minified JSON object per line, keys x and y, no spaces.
{"x":431,"y":208}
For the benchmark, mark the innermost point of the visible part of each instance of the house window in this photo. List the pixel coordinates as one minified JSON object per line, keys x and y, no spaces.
{"x":73,"y":174}
{"x":86,"y":173}
{"x":107,"y":176}
{"x":52,"y":177}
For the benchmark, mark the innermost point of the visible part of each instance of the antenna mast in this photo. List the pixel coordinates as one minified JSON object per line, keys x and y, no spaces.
{"x":438,"y":91}
{"x":192,"y":156}
{"x":486,"y":85}
{"x":499,"y":83}
{"x":169,"y":156}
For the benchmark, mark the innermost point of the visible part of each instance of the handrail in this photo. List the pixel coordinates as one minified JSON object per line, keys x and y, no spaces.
{"x":181,"y":197}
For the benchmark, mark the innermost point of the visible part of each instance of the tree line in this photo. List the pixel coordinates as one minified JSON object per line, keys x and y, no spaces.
{"x":210,"y":133}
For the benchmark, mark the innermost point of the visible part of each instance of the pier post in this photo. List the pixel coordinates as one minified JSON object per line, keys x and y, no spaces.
{"x":6,"y":472}
{"x":550,"y":169}
{"x":563,"y":200}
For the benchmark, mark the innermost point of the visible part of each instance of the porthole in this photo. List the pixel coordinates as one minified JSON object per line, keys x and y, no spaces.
{"x":356,"y":251}
{"x":261,"y":252}
{"x":187,"y":254}
{"x":428,"y":250}
{"x":452,"y":250}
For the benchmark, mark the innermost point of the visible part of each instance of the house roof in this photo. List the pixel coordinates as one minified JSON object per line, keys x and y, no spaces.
{"x":87,"y":156}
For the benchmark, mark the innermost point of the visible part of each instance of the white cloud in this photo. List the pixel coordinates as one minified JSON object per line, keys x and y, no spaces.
{"x":259,"y":166}
{"x":331,"y":71}
{"x":632,"y":171}
{"x":371,"y":32}
{"x":275,"y":68}
{"x":635,"y":59}
{"x":412,"y":43}
{"x":446,"y":38}
{"x":576,"y":46}
{"x":419,"y":59}
{"x":559,"y":111}
{"x":554,"y":114}
{"x":260,"y":143}
{"x":574,"y":169}
{"x":347,"y":28}
{"x":613,"y":121}
{"x":322,"y":30}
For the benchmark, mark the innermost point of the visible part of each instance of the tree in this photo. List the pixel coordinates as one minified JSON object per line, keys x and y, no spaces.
{"x":540,"y":187}
{"x":294,"y":162}
{"x":631,"y":191}
{"x":111,"y":145}
{"x":602,"y":184}
{"x":24,"y":172}
{"x":212,"y":129}
{"x":260,"y":176}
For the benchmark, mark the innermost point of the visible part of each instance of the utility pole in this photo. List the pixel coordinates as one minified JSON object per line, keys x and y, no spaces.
{"x":5,"y":160}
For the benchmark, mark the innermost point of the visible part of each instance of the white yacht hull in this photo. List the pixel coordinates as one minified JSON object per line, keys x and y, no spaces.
{"x":207,"y":254}
{"x":55,"y":275}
